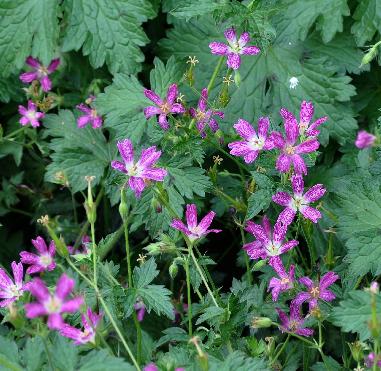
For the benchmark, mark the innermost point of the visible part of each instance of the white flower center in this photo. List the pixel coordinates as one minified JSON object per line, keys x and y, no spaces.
{"x":45,"y":260}
{"x":31,"y":115}
{"x":297,"y":202}
{"x":272,"y":248}
{"x":256,"y":143}
{"x":53,"y":305}
{"x":14,"y":291}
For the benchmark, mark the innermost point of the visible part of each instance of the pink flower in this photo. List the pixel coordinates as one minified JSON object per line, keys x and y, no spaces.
{"x":285,"y":281}
{"x":204,"y":116}
{"x":299,"y":202}
{"x":40,"y":72}
{"x":52,"y":305}
{"x":316,"y":290}
{"x":235,"y":48}
{"x":163,"y":107}
{"x":364,"y":139}
{"x":30,"y":115}
{"x":90,"y":114}
{"x":42,"y":262}
{"x":83,"y":249}
{"x":306,"y":113}
{"x":193,"y":230}
{"x":253,"y":143}
{"x":10,"y":290}
{"x":142,"y":171}
{"x":90,"y":323}
{"x":295,"y":322}
{"x":140,"y":309}
{"x":268,"y":244}
{"x":371,"y":358}
{"x":290,"y":152}
{"x":153,"y":367}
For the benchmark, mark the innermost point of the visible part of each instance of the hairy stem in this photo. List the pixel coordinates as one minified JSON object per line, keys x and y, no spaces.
{"x":187,"y":273}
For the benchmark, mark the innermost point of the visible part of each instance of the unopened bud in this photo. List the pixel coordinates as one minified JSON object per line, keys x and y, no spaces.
{"x":90,"y":206}
{"x":374,"y":288}
{"x":259,"y":265}
{"x":237,"y":78}
{"x":173,"y":270}
{"x":123,"y":206}
{"x":357,"y":350}
{"x":368,"y":57}
{"x":261,"y":322}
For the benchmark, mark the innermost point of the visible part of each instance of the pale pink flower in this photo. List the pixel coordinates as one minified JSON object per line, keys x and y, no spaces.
{"x":10,"y":291}
{"x":30,"y":115}
{"x":90,"y":114}
{"x":364,"y":139}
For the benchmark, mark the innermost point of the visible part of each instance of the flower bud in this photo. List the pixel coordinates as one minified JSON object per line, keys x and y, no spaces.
{"x":173,"y":270}
{"x":259,"y":265}
{"x":368,"y":57}
{"x":261,"y":322}
{"x":374,"y":288}
{"x":237,"y":78}
{"x":123,"y":207}
{"x":357,"y":350}
{"x":90,"y":206}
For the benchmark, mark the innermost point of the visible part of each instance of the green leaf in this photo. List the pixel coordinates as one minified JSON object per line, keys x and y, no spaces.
{"x":257,"y":202}
{"x":172,"y":334}
{"x":354,"y":313}
{"x":193,"y":8}
{"x":238,"y":361}
{"x":368,"y":20}
{"x":210,"y":313}
{"x":64,"y":353}
{"x":157,"y":298}
{"x":9,"y":355}
{"x":109,"y":31}
{"x":27,"y":28}
{"x":33,"y":354}
{"x":145,"y":274}
{"x":298,"y":16}
{"x":100,"y":360}
{"x":76,"y":152}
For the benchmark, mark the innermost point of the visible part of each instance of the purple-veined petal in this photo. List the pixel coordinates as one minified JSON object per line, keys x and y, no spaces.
{"x":51,"y":266}
{"x":314,"y":193}
{"x":290,"y":125}
{"x":18,"y":271}
{"x":266,"y":226}
{"x":177,"y":108}
{"x":244,"y":129}
{"x":299,"y":165}
{"x":255,"y":250}
{"x":295,"y":311}
{"x":304,"y":331}
{"x":287,"y":216}
{"x":72,"y":305}
{"x":250,"y":50}
{"x":28,"y":77}
{"x":191,"y":215}
{"x":283,"y":318}
{"x":327,"y":295}
{"x":171,"y":93}
{"x":64,"y":286}
{"x":34,"y":123}
{"x":33,"y":62}
{"x":53,"y":65}
{"x":52,"y":248}
{"x":310,"y":213}
{"x":213,"y":125}
{"x":277,"y":140}
{"x":230,"y":35}
{"x":151,"y":111}
{"x":97,"y":122}
{"x":206,"y":221}
{"x":55,"y":321}
{"x":137,"y":185}
{"x":202,"y":103}
{"x":71,"y":332}
{"x":312,"y":303}
{"x":157,"y":174}
{"x":82,"y":121}
{"x":22,"y":110}
{"x":152,"y":96}
{"x":258,"y":231}
{"x":163,"y":122}
{"x":148,"y":157}
{"x":312,"y":131}
{"x":279,"y":232}
{"x":83,"y":108}
{"x":234,"y":61}
{"x":306,"y":112}
{"x":263,"y":127}
{"x":218,"y":48}
{"x":35,"y":268}
{"x":288,"y":246}
{"x":117,"y":165}
{"x":250,"y":156}
{"x":328,"y":279}
{"x":6,"y":302}
{"x":40,"y":245}
{"x":239,"y":148}
{"x":283,"y":163}
{"x":297,"y":184}
{"x":308,"y":146}
{"x":282,"y":198}
{"x":126,"y":150}
{"x":33,"y":310}
{"x":39,"y":115}
{"x":243,"y":39}
{"x":274,"y":286}
{"x":29,"y":258}
{"x":179,"y":225}
{"x":31,"y":106}
{"x":278,"y":267}
{"x":5,"y":280}
{"x":306,"y":281}
{"x":46,"y":84}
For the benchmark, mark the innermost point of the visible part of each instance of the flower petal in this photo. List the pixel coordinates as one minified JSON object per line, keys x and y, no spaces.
{"x":299,"y":165}
{"x":277,"y":139}
{"x":163,"y":122}
{"x":18,"y":272}
{"x":33,"y":62}
{"x":40,"y":245}
{"x":46,"y":84}
{"x":263,"y":127}
{"x":311,"y":131}
{"x":39,"y":290}
{"x":290,"y":125}
{"x":28,"y":77}
{"x":55,"y":321}
{"x":308,"y":146}
{"x":310,"y":213}
{"x":314,"y":193}
{"x":151,"y":111}
{"x":251,"y":50}
{"x":306,"y":281}
{"x":218,"y":48}
{"x":243,"y":39}
{"x":82,"y":121}
{"x":230,"y":35}
{"x":283,"y":163}
{"x":191,"y":216}
{"x":177,"y":108}
{"x":137,"y":185}
{"x":202,"y":103}
{"x":297,"y":184}
{"x":171,"y":93}
{"x":152,"y":96}
{"x":53,"y":65}
{"x":282,"y":198}
{"x":126,"y":150}
{"x":64,"y":286}
{"x":148,"y":157}
{"x":234,"y":61}
{"x":33,"y":310}
{"x":72,"y":305}
{"x":244,"y":129}
{"x":328,"y":279}
{"x":250,"y":156}
{"x":288,"y":246}
{"x":117,"y":165}
{"x":157,"y":174}
{"x":179,"y":225}
{"x":258,"y":231}
{"x":206,"y":221}
{"x":306,"y":112}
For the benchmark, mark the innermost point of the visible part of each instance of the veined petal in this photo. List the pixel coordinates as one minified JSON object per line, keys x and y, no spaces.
{"x":290,"y":125}
{"x":277,"y":139}
{"x":40,"y":245}
{"x":243,"y":39}
{"x":239,"y":148}
{"x":179,"y":225}
{"x":148,"y":157}
{"x":258,"y":231}
{"x":177,"y":108}
{"x":157,"y":174}
{"x":163,"y":122}
{"x":297,"y":184}
{"x":250,"y":156}
{"x":314,"y":193}
{"x":299,"y":165}
{"x":255,"y":250}
{"x":306,"y":281}
{"x":172,"y":93}
{"x":126,"y":150}
{"x":151,"y":111}
{"x":287,"y":216}
{"x":283,"y":318}
{"x":33,"y":62}
{"x":282,"y":198}
{"x":308,"y":146}
{"x":306,"y":112}
{"x":328,"y":279}
{"x":137,"y":185}
{"x":28,"y":77}
{"x":304,"y":331}
{"x":230,"y":35}
{"x":35,"y":268}
{"x":117,"y":165}
{"x":218,"y":48}
{"x":202,"y":103}
{"x":82,"y":121}
{"x":191,"y":216}
{"x":278,"y":267}
{"x":263,"y":127}
{"x":46,"y":84}
{"x":283,"y":163}
{"x":152,"y":96}
{"x":234,"y":61}
{"x":312,"y":131}
{"x":279,"y":233}
{"x":18,"y":271}
{"x":310,"y":213}
{"x":244,"y":129}
{"x":97,"y":122}
{"x":53,"y":65}
{"x":206,"y":221}
{"x":5,"y":281}
{"x":250,"y":50}
{"x":64,"y":286}
{"x":288,"y":246}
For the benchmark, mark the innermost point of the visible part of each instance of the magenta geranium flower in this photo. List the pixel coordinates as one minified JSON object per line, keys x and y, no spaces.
{"x":52,"y":305}
{"x":372,"y":358}
{"x":290,"y":151}
{"x":140,"y":309}
{"x":30,"y":115}
{"x":364,"y":139}
{"x":295,"y":322}
{"x":10,"y":290}
{"x":193,"y":230}
{"x":235,"y":48}
{"x":268,"y":244}
{"x":44,"y":261}
{"x":204,"y":116}
{"x":253,"y":143}
{"x":306,"y":113}
{"x":40,"y":72}
{"x":83,"y":249}
{"x":316,"y":290}
{"x":90,"y":321}
{"x":163,"y":107}
{"x":142,"y":171}
{"x":299,"y":202}
{"x":285,"y":281}
{"x":90,"y":114}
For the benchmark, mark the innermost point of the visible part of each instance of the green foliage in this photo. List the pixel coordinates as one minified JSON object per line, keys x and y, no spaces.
{"x":238,"y":361}
{"x":367,"y":18}
{"x":354,"y":313}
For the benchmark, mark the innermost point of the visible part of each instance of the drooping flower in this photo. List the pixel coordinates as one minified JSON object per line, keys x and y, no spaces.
{"x":204,"y":116}
{"x":253,"y":143}
{"x":294,"y":81}
{"x":140,"y":309}
{"x":364,"y":139}
{"x":235,"y":48}
{"x":44,"y":261}
{"x":39,"y":72}
{"x":90,"y":323}
{"x":193,"y":230}
{"x":316,"y":290}
{"x":285,"y":281}
{"x":141,"y":171}
{"x":371,"y":358}
{"x":268,"y":244}
{"x":30,"y":115}
{"x":290,"y":151}
{"x":163,"y":107}
{"x":83,"y":249}
{"x":306,"y":113}
{"x":294,"y":323}
{"x":299,"y":202}
{"x":10,"y":290}
{"x":90,"y":114}
{"x":52,"y":305}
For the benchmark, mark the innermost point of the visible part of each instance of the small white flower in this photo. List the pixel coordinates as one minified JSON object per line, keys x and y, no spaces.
{"x":293,"y":82}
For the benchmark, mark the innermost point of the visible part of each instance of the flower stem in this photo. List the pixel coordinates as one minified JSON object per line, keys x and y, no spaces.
{"x":187,"y":273}
{"x":281,"y":349}
{"x":247,"y":261}
{"x":215,"y":73}
{"x":94,"y":254}
{"x":128,"y":258}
